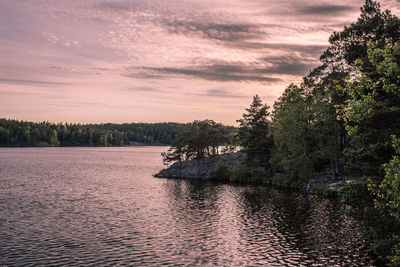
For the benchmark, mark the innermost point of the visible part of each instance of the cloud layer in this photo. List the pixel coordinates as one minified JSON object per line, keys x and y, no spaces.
{"x":158,"y":60}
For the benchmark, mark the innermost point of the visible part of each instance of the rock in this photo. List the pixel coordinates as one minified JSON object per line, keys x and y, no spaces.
{"x":191,"y":169}
{"x":325,"y":180}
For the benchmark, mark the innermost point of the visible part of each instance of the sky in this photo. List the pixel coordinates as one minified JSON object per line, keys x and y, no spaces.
{"x":93,"y":61}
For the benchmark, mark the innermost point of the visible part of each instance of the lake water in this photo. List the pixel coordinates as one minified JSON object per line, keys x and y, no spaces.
{"x":101,"y":206}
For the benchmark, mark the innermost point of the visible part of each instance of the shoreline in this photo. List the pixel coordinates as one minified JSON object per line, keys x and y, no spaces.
{"x":228,"y":167}
{"x":47,"y":146}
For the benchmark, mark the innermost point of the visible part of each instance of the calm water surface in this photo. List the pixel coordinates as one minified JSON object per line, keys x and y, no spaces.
{"x":101,"y":206}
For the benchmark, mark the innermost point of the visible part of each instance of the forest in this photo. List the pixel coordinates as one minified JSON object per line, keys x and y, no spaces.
{"x":343,"y":117}
{"x":23,"y":133}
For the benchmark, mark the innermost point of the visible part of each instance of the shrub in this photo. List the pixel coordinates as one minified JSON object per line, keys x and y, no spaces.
{"x":240,"y":173}
{"x":220,"y":170}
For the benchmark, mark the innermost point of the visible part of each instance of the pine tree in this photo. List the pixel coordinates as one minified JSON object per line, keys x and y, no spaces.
{"x":254,"y":135}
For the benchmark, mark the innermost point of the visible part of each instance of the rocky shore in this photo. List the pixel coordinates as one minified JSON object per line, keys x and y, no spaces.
{"x":192,"y":169}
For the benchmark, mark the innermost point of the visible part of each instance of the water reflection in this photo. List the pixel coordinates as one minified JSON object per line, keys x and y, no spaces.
{"x":101,"y":206}
{"x":238,"y":225}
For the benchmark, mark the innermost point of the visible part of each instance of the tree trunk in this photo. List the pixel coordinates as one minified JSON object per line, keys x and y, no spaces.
{"x":337,"y":165}
{"x":331,"y":159}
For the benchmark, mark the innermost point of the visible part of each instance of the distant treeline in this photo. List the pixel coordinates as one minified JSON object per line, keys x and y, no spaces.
{"x":24,"y":133}
{"x":146,"y":133}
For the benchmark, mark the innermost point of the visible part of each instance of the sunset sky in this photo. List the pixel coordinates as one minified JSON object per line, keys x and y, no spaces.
{"x":158,"y":60}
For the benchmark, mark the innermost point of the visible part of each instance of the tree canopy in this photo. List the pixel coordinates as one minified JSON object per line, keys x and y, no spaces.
{"x":201,"y":140}
{"x":254,"y":133}
{"x":24,"y":133}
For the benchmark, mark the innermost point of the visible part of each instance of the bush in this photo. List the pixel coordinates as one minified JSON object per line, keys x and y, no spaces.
{"x":320,"y":191}
{"x":283,"y":181}
{"x":356,"y":195}
{"x":220,"y":170}
{"x":381,"y":228}
{"x":240,"y":173}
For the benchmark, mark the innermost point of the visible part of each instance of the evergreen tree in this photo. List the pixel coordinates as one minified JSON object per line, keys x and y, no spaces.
{"x":291,"y":132}
{"x":176,"y":152}
{"x":372,"y":112}
{"x":53,"y":140}
{"x":254,"y":133}
{"x":388,"y":191}
{"x":200,"y":141}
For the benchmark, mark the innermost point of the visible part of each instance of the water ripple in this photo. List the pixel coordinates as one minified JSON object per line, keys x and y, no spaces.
{"x":101,"y":206}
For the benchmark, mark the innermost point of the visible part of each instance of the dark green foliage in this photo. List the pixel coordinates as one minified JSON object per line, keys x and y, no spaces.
{"x":254,"y":134}
{"x":147,"y":133}
{"x":163,"y":133}
{"x":201,"y":140}
{"x":345,"y":57}
{"x":176,"y":152}
{"x":237,"y":174}
{"x":221,"y":170}
{"x":23,"y":133}
{"x":283,"y":181}
{"x":343,"y":114}
{"x":373,"y":25}
{"x":381,"y":228}
{"x":240,"y":173}
{"x":291,"y":133}
{"x":311,"y":133}
{"x":372,"y":110}
{"x":388,"y":201}
{"x":320,"y":191}
{"x":387,"y":192}
{"x":371,"y":114}
{"x":4,"y":135}
{"x":357,"y":195}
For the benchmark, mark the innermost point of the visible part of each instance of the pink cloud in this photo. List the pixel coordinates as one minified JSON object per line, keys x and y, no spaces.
{"x":152,"y":60}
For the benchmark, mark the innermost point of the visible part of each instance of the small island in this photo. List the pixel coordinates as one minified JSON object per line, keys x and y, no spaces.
{"x":206,"y":151}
